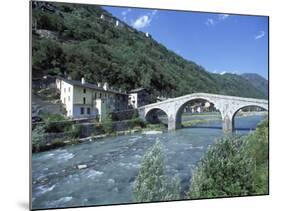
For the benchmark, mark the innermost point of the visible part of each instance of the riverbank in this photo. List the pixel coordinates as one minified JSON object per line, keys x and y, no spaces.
{"x":43,"y":142}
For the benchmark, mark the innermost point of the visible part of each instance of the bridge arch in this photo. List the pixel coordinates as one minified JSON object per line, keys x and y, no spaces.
{"x":185,"y":103}
{"x":228,"y":106}
{"x":250,"y":105}
{"x":152,"y":115}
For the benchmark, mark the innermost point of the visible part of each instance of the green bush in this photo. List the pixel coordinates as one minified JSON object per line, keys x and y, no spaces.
{"x":107,"y":126}
{"x":257,"y":148}
{"x":151,"y":183}
{"x":56,"y":123}
{"x":225,"y":170}
{"x":74,"y":131}
{"x":234,"y":166}
{"x":137,"y":122}
{"x":37,"y":137}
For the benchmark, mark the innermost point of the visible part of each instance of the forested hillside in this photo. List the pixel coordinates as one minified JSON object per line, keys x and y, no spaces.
{"x":73,"y":40}
{"x":257,"y":81}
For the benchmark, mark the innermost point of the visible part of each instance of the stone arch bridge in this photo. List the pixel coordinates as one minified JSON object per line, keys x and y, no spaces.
{"x":227,"y":105}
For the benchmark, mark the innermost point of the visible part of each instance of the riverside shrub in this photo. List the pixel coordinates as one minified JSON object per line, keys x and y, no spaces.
{"x":151,"y":183}
{"x":234,"y":166}
{"x":257,"y":147}
{"x":225,"y":170}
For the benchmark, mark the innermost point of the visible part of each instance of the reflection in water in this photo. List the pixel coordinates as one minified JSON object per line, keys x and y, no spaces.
{"x":112,"y":165}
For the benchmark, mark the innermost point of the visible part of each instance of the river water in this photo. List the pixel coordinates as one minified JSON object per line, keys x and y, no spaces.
{"x":113,"y":163}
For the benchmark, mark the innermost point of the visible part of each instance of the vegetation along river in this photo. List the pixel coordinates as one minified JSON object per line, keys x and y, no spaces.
{"x":113,"y":164}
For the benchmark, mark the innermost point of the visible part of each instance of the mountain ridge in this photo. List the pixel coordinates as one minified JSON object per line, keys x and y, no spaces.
{"x":86,"y":45}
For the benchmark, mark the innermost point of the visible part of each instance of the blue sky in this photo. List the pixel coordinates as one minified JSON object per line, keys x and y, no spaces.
{"x":218,"y":42}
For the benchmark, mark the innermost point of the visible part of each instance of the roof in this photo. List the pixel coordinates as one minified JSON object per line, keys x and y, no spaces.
{"x":137,"y":90}
{"x":90,"y":86}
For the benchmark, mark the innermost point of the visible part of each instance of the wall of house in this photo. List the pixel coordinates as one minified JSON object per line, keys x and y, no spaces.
{"x":66,"y":97}
{"x":79,"y":94}
{"x":133,"y":100}
{"x":102,"y":108}
{"x":143,"y":98}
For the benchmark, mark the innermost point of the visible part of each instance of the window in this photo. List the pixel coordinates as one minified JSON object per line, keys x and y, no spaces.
{"x":68,"y":89}
{"x":84,"y":100}
{"x":95,"y":95}
{"x":82,"y":110}
{"x":64,"y":100}
{"x":100,"y":95}
{"x":88,"y":110}
{"x":64,"y":89}
{"x":68,"y":98}
{"x":84,"y":90}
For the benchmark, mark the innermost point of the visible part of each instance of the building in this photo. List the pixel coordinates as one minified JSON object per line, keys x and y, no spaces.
{"x":84,"y":100}
{"x":138,"y":97}
{"x":44,"y":82}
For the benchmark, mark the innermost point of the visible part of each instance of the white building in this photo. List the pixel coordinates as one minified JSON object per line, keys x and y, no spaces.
{"x":138,"y":97}
{"x":84,"y":100}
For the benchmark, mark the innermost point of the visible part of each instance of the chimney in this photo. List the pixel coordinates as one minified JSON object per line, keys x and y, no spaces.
{"x":83,"y":80}
{"x":99,"y":84}
{"x":117,"y":23}
{"x":105,"y":86}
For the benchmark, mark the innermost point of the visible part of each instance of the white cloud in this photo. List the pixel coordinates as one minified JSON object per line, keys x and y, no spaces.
{"x":144,"y":20}
{"x":210,"y":22}
{"x":222,"y":17}
{"x":216,"y":20}
{"x":260,"y":35}
{"x":141,"y":22}
{"x":222,"y":73}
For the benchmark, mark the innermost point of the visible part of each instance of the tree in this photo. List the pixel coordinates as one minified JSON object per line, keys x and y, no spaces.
{"x":107,"y":125}
{"x":151,"y":183}
{"x":225,"y":170}
{"x":257,"y":148}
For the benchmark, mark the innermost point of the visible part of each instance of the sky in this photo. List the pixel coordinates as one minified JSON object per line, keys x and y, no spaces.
{"x":221,"y":43}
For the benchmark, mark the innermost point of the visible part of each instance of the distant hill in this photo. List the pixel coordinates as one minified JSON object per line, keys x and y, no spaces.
{"x":85,"y":41}
{"x":257,"y":81}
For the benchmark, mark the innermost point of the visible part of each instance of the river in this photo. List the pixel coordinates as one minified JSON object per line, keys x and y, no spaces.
{"x":113,"y":163}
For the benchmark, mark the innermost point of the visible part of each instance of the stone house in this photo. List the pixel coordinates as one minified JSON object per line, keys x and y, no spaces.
{"x":85,"y":100}
{"x":138,"y":97}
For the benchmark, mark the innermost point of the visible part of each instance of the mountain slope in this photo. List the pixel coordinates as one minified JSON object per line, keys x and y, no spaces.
{"x":257,"y":81}
{"x":70,"y":39}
